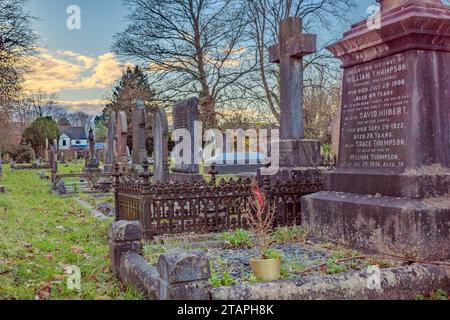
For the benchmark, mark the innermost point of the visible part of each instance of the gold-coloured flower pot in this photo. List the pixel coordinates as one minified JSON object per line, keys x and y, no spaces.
{"x":266,"y":269}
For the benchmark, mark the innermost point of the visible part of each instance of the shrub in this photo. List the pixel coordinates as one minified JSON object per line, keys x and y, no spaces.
{"x":271,"y":254}
{"x":238,"y":239}
{"x":260,"y":215}
{"x":290,"y":235}
{"x":24,"y":154}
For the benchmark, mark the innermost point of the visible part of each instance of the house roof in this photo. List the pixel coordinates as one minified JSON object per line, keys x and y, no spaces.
{"x":74,"y":132}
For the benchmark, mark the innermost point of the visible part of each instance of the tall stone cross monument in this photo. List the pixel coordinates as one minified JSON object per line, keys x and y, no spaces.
{"x":289,"y":53}
{"x":295,"y":151}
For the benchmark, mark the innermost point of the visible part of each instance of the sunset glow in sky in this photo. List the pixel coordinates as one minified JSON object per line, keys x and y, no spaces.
{"x":78,"y":65}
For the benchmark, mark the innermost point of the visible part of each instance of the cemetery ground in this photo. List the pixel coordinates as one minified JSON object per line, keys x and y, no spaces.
{"x":43,"y":233}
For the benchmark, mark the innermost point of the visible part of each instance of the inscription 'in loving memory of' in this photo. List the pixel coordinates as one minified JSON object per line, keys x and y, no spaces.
{"x":374,"y":114}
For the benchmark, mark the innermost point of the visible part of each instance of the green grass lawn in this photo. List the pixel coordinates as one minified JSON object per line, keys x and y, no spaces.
{"x":41,"y":234}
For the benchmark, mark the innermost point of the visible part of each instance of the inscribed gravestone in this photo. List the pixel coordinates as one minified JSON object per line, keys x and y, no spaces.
{"x":185,"y":114}
{"x":139,"y":152}
{"x":390,"y":190}
{"x":160,"y":145}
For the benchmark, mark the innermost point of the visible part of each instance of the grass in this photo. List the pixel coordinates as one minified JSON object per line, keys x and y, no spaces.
{"x":42,"y":234}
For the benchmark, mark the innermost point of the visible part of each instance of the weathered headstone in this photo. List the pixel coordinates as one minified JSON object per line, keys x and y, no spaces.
{"x":390,"y":191}
{"x":185,"y":115}
{"x":295,"y":151}
{"x":121,"y":144}
{"x":160,"y":146}
{"x":139,"y":152}
{"x":92,"y":163}
{"x":110,"y":142}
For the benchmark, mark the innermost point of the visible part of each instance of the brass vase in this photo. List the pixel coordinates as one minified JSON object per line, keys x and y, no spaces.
{"x":266,"y":269}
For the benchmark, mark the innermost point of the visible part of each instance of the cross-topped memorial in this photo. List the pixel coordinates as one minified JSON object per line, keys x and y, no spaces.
{"x":296,"y":154}
{"x":289,"y":53}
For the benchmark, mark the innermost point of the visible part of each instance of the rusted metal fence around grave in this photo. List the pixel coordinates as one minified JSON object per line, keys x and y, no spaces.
{"x":203,"y":207}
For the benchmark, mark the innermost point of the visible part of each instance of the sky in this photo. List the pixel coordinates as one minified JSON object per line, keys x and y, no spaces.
{"x":77,"y":64}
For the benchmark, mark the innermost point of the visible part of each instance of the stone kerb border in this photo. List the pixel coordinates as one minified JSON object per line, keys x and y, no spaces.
{"x":179,"y":275}
{"x":183,"y":275}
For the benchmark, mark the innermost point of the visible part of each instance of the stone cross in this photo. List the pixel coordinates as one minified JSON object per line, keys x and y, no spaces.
{"x":289,"y":53}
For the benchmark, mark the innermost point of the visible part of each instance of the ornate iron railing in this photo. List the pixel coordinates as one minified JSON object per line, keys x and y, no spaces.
{"x":203,"y":207}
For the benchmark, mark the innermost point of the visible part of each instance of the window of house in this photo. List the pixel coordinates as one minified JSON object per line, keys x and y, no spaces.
{"x":64,"y":143}
{"x":77,"y":142}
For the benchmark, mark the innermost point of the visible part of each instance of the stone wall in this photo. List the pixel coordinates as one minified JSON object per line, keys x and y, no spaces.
{"x":179,"y":275}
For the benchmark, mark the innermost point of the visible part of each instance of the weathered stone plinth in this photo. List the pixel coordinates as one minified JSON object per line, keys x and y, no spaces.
{"x":411,"y":228}
{"x":299,"y":159}
{"x":300,"y":153}
{"x":391,"y":189}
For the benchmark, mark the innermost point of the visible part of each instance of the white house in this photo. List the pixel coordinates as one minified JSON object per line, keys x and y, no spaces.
{"x":72,"y":138}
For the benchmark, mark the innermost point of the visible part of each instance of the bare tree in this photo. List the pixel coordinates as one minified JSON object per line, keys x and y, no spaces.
{"x":79,"y":119}
{"x":16,"y":42}
{"x":191,"y":47}
{"x":322,"y":75}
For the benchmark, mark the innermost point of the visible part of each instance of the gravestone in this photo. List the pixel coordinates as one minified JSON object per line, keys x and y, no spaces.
{"x":110,"y":143}
{"x":121,"y":144}
{"x":390,"y":191}
{"x":139,"y":152}
{"x":160,"y":146}
{"x":296,"y":153}
{"x":185,"y":114}
{"x":92,"y":163}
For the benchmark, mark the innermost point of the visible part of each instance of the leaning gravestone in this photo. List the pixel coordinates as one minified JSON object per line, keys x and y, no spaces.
{"x":139,"y":152}
{"x":160,"y":146}
{"x":110,"y":142}
{"x":391,"y":189}
{"x":185,"y":115}
{"x":121,"y":138}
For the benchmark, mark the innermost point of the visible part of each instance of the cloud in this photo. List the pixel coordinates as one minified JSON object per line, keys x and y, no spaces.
{"x":66,"y":70}
{"x":92,"y":107}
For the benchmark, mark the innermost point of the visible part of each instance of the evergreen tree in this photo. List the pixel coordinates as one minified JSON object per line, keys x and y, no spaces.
{"x":40,"y":130}
{"x":132,"y":85}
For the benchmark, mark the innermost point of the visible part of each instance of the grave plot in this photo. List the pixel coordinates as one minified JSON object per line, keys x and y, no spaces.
{"x":230,"y":253}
